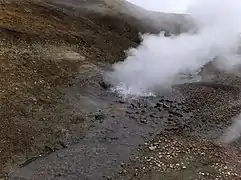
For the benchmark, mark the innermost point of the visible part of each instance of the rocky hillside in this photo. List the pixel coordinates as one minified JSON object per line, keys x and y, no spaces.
{"x":43,"y":45}
{"x":58,"y":119}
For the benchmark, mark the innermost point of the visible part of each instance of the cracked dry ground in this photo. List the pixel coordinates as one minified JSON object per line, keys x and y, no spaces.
{"x":51,"y":63}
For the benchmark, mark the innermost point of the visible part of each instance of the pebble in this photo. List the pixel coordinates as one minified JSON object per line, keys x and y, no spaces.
{"x":166,"y":106}
{"x":152,"y":148}
{"x":144,"y":121}
{"x":153,"y":116}
{"x":158,"y":105}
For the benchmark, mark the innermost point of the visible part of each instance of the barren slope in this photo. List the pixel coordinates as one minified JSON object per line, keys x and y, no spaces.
{"x":54,"y":103}
{"x":42,"y":49}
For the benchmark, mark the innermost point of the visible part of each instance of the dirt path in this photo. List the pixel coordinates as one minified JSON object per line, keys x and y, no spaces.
{"x":178,"y":133}
{"x":58,"y":121}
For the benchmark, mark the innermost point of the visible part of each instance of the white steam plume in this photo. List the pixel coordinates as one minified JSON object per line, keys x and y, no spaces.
{"x":233,"y":132}
{"x":159,"y":59}
{"x":169,"y":6}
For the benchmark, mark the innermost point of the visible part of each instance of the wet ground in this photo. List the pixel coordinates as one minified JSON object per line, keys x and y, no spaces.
{"x":151,"y":138}
{"x":59,"y":120}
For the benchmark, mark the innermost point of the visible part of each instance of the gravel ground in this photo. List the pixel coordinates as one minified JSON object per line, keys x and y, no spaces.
{"x":181,"y":157}
{"x":60,"y":121}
